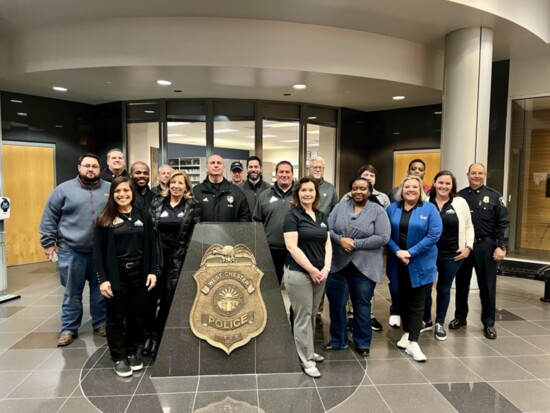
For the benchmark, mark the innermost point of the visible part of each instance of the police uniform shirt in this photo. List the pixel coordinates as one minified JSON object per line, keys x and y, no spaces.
{"x":448,"y":242}
{"x":170,"y":222}
{"x":489,"y":215}
{"x":128,"y":231}
{"x":312,"y":237}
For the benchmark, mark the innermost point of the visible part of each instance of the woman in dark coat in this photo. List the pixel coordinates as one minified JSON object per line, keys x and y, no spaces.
{"x":125,"y":258}
{"x":175,"y":213}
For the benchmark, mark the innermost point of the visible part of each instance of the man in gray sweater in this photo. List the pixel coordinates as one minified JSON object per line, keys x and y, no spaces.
{"x":67,"y":235}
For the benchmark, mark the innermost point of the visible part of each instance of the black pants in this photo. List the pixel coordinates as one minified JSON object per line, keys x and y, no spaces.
{"x":482,"y":260}
{"x":126,"y":314}
{"x":169,"y":281}
{"x":279,"y":256}
{"x":411,"y":302}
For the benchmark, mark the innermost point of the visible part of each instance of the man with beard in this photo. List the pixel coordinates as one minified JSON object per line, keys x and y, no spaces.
{"x":139,"y":172}
{"x":164,"y":173}
{"x":116,"y":164}
{"x":254,"y":185}
{"x":67,"y":225}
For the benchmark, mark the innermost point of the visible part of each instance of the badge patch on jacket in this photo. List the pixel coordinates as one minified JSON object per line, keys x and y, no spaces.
{"x":230,"y":199}
{"x":138,"y":223}
{"x":164,"y":214}
{"x":423,"y":217}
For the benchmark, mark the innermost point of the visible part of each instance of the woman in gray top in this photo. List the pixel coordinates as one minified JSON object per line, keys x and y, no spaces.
{"x":359,"y":230}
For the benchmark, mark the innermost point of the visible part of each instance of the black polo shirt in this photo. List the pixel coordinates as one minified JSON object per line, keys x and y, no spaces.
{"x":312,"y":236}
{"x":448,"y":241}
{"x":128,"y":231}
{"x":170,"y":222}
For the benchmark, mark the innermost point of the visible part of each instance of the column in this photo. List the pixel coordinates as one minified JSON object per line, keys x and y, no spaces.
{"x":466,"y":100}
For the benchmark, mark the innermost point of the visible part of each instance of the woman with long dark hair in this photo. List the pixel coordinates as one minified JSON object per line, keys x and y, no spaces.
{"x":175,"y":213}
{"x":307,"y":266}
{"x":125,"y":258}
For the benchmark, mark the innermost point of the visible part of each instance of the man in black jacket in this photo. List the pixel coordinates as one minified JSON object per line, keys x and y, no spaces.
{"x":221,"y":201}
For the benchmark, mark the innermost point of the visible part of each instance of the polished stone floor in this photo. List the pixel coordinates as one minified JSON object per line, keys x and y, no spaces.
{"x":465,"y":373}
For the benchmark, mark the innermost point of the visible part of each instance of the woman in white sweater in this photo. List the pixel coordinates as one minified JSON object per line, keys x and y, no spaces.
{"x":454,"y":245}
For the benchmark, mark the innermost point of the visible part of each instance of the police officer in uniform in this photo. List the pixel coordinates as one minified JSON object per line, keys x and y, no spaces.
{"x":490,"y":219}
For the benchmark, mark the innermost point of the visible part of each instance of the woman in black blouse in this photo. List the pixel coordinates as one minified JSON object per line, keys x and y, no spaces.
{"x":175,"y":214}
{"x":125,"y":257}
{"x":307,"y":266}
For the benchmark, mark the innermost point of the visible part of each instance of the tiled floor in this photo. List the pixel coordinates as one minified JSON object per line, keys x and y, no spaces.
{"x":466,"y":373}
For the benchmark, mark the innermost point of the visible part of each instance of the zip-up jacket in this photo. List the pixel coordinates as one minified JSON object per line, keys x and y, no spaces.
{"x":223,"y":203}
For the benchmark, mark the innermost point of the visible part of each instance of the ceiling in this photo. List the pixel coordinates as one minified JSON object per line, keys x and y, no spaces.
{"x":425,"y":23}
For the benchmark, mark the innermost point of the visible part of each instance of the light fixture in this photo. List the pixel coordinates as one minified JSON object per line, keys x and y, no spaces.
{"x":16,"y":101}
{"x":178,"y":90}
{"x":437,"y":113}
{"x":287,"y":94}
{"x":149,"y":111}
{"x":225,"y":130}
{"x":397,"y":133}
{"x":164,"y":82}
{"x":299,"y":87}
{"x":398,"y":97}
{"x":60,"y":89}
{"x":22,"y":114}
{"x":175,"y":135}
{"x":312,"y":117}
{"x":58,"y":126}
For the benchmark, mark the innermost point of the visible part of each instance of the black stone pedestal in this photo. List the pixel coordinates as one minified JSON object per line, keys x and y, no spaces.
{"x":183,"y":354}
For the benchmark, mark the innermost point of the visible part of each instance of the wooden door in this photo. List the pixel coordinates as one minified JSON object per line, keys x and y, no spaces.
{"x":401,"y":162}
{"x":28,"y":173}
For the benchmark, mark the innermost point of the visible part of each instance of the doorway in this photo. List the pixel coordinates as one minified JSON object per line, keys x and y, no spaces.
{"x":29,"y":178}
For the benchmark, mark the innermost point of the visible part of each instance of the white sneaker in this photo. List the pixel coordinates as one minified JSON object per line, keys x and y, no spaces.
{"x":395,"y":321}
{"x":404,"y":341}
{"x":317,"y":358}
{"x":312,"y":372}
{"x":413,"y":349}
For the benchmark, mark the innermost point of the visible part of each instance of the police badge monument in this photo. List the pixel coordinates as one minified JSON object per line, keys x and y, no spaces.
{"x":228,"y":315}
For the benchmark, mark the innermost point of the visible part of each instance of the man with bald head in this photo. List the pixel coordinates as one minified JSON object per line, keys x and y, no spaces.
{"x":490,"y":219}
{"x":221,"y":201}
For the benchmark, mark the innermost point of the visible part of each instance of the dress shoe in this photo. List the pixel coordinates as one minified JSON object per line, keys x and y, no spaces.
{"x":146,"y":350}
{"x":363,"y":352}
{"x":456,"y":324}
{"x":65,"y":339}
{"x":154,"y":348}
{"x":101,"y":331}
{"x":490,"y":333}
{"x":330,"y":347}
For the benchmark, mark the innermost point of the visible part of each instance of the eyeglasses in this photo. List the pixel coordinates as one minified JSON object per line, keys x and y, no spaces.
{"x":88,"y":166}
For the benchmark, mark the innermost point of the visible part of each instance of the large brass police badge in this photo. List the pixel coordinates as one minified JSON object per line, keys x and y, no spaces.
{"x":229,"y":309}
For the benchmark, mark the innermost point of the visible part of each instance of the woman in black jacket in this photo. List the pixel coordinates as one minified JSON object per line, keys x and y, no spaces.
{"x":175,"y":214}
{"x":125,"y":258}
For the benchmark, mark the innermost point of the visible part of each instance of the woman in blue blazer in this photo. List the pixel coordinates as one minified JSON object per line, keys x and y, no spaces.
{"x":412,"y":255}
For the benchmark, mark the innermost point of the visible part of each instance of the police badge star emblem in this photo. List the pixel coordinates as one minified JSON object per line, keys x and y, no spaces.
{"x":228,"y":310}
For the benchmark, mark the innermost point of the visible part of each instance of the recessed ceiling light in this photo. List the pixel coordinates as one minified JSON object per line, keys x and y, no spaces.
{"x":299,"y":87}
{"x":164,"y":82}
{"x":149,"y":111}
{"x":16,"y":101}
{"x":397,"y":133}
{"x":398,"y":97}
{"x":60,"y":89}
{"x":312,"y":117}
{"x":58,"y":126}
{"x":21,"y":114}
{"x":109,"y":82}
{"x":437,"y":113}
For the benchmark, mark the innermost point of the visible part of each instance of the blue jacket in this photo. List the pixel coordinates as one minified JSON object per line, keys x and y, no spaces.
{"x":425,"y":228}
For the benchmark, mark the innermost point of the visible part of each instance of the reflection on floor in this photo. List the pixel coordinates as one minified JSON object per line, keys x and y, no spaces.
{"x":465,"y":373}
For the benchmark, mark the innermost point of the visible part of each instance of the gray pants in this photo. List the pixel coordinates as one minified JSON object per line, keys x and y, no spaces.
{"x":305,"y":297}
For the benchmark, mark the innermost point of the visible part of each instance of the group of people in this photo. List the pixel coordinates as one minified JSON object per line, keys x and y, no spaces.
{"x":129,"y":242}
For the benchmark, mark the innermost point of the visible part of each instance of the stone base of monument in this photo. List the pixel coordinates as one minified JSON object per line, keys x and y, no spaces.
{"x":181,"y":353}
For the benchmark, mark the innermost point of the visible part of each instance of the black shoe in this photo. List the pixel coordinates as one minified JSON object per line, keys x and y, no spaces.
{"x":134,"y":362}
{"x":456,"y":324}
{"x":146,"y":350}
{"x":350,"y":324}
{"x":363,"y":352}
{"x":490,"y":333}
{"x":122,"y":368}
{"x":375,"y":325}
{"x":330,"y":347}
{"x":154,"y":348}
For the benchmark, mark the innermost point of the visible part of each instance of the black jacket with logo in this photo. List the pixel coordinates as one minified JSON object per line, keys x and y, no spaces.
{"x":223,"y":203}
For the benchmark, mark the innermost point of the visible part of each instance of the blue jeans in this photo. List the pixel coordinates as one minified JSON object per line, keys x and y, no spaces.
{"x":339,"y":289}
{"x":447,"y":268}
{"x":75,"y":268}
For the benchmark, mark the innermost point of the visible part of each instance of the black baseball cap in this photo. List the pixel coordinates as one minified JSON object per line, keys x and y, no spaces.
{"x":236,"y":165}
